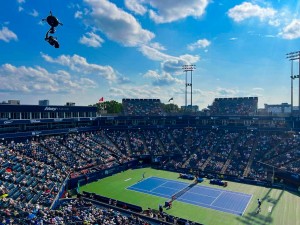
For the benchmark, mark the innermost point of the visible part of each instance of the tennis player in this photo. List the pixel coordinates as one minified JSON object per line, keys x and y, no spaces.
{"x":258,"y":205}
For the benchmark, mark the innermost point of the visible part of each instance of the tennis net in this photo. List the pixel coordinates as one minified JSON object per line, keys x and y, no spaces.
{"x":184,"y":190}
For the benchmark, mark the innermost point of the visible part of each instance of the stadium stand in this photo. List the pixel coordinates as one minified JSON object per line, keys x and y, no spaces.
{"x":142,"y":107}
{"x":34,"y":170}
{"x":234,"y":106}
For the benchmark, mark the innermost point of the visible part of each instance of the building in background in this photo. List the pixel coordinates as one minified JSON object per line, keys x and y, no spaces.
{"x":189,"y":108}
{"x":283,"y":108}
{"x":44,"y":102}
{"x":13,"y":102}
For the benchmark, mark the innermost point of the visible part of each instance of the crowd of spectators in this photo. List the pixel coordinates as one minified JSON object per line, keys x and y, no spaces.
{"x":234,"y":153}
{"x":234,"y":106}
{"x":136,"y":142}
{"x":32,"y":171}
{"x":222,"y":150}
{"x":241,"y":154}
{"x":142,"y":107}
{"x":169,"y":146}
{"x":73,"y":211}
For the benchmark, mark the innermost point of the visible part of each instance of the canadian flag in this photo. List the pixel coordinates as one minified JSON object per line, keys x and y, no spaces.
{"x":101,"y":99}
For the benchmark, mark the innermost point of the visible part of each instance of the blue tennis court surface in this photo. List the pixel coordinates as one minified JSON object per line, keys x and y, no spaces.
{"x":213,"y":198}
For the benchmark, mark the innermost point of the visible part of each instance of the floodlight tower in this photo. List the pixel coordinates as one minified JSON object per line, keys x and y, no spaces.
{"x":187,"y":68}
{"x":294,"y":56}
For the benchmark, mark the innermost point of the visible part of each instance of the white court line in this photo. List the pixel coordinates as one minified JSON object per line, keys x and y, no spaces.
{"x":208,"y":206}
{"x":187,"y":201}
{"x":127,"y":179}
{"x":217,"y":189}
{"x":247,"y":205}
{"x":161,"y":185}
{"x":221,"y":192}
{"x":149,"y":193}
{"x":197,"y":193}
{"x":171,"y":181}
{"x":167,"y":181}
{"x":158,"y":186}
{"x":175,"y":189}
{"x":270,"y":209}
{"x":216,"y":198}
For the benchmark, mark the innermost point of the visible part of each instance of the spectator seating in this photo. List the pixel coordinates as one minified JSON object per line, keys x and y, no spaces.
{"x":234,"y":106}
{"x":142,"y":107}
{"x":32,"y":171}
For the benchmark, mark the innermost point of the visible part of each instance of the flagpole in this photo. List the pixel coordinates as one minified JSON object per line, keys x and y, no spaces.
{"x":173,"y":105}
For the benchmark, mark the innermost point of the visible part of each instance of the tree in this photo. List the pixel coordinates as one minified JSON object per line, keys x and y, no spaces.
{"x":169,"y":108}
{"x":111,"y":107}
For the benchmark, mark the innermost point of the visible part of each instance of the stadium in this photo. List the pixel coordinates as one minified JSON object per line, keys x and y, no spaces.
{"x":65,"y":165}
{"x":150,"y":112}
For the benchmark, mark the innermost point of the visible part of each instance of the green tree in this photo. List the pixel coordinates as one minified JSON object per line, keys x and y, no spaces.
{"x":111,"y":107}
{"x":168,"y":108}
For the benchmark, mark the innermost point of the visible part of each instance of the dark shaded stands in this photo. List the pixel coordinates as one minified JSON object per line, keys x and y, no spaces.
{"x":234,"y":106}
{"x":142,"y":107}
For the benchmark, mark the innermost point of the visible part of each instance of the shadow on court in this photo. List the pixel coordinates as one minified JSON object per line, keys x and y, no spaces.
{"x":264,"y":217}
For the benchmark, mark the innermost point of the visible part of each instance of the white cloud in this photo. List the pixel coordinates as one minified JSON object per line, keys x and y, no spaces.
{"x":201,"y":43}
{"x":20,"y":8}
{"x":141,"y":91}
{"x":190,"y":59}
{"x":135,"y":6}
{"x":7,"y":35}
{"x":173,"y":66}
{"x":78,"y":14}
{"x":258,"y":89}
{"x":275,"y":22}
{"x":34,"y":13}
{"x":227,"y":92}
{"x":79,"y":64}
{"x":154,"y":54}
{"x":91,"y":40}
{"x":151,"y":74}
{"x":38,"y":80}
{"x":117,"y":24}
{"x":167,"y":11}
{"x":163,"y":79}
{"x":169,"y":64}
{"x":270,"y":36}
{"x":157,"y":46}
{"x":167,"y":79}
{"x":21,"y":1}
{"x":292,"y":30}
{"x":247,"y":10}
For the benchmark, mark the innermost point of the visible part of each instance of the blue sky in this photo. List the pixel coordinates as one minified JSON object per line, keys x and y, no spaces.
{"x":136,"y":49}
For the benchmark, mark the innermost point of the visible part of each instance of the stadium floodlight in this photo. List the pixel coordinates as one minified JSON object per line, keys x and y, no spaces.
{"x":292,"y":56}
{"x":188,"y":68}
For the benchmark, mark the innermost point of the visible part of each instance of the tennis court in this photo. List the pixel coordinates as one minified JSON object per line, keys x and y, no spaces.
{"x":208,"y":197}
